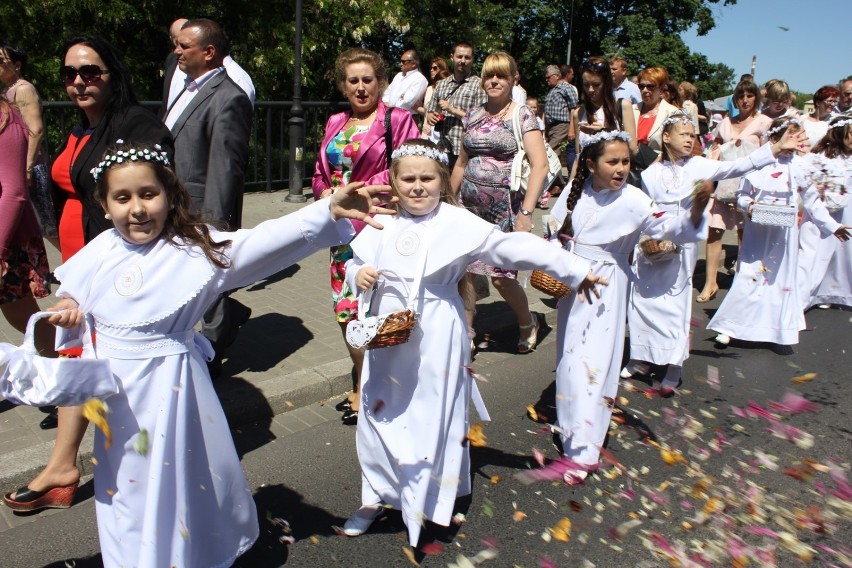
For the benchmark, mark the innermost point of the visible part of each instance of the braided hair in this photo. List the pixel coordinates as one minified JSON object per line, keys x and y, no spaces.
{"x":591,"y":152}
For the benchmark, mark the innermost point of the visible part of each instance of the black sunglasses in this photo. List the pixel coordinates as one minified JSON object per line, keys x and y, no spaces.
{"x":88,"y":73}
{"x":596,"y":66}
{"x":648,"y":86}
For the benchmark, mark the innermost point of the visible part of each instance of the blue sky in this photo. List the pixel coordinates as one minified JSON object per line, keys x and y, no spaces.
{"x":814,"y":52}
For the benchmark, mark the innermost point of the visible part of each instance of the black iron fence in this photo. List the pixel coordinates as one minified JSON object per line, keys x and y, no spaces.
{"x":269,"y":152}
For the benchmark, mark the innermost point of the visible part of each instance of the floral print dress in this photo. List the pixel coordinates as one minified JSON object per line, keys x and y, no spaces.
{"x":491,"y":147}
{"x":341,"y":152}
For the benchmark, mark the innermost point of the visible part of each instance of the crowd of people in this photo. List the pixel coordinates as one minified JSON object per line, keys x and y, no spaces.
{"x":417,"y":217}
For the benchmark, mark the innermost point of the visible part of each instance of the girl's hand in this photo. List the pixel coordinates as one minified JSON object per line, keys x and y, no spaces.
{"x":701,"y":194}
{"x":358,"y":201}
{"x":68,"y":314}
{"x":788,"y":142}
{"x":587,"y":288}
{"x":523,"y":223}
{"x":842,"y":233}
{"x":591,"y":128}
{"x":366,"y":278}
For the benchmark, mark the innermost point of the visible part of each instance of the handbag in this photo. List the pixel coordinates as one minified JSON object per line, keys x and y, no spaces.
{"x":520,"y":173}
{"x":394,"y":328}
{"x":33,"y":380}
{"x":726,"y":189}
{"x":777,"y":215}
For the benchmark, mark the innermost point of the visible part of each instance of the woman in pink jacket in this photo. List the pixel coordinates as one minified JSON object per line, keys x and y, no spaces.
{"x":356,"y":147}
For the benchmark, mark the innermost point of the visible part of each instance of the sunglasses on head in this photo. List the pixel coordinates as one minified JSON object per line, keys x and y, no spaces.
{"x":595,"y":66}
{"x":88,"y":73}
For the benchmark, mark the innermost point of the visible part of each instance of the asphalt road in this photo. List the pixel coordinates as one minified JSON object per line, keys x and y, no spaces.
{"x":725,"y":495}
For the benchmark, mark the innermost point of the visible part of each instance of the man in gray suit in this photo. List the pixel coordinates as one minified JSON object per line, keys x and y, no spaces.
{"x":210,"y":120}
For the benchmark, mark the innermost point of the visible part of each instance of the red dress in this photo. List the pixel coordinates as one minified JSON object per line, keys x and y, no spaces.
{"x":71,"y":238}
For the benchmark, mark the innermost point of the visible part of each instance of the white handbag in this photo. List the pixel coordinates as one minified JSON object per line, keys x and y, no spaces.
{"x":774,"y":214}
{"x":520,"y":174}
{"x":33,"y":380}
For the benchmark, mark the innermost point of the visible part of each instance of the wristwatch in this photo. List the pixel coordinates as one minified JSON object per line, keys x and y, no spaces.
{"x":526,"y":212}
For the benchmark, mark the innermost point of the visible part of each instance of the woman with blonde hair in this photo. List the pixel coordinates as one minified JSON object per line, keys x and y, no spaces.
{"x":482,"y":175}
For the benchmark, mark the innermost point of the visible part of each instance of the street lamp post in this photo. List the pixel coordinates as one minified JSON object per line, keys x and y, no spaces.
{"x":570,"y":27}
{"x":296,"y":124}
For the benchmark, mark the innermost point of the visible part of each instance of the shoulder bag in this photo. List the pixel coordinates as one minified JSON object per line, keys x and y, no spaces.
{"x":520,"y":173}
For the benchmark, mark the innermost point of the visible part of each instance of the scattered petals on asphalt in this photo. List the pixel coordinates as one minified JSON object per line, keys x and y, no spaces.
{"x":432,"y":549}
{"x":562,"y":530}
{"x":476,"y":436}
{"x":807,"y":377}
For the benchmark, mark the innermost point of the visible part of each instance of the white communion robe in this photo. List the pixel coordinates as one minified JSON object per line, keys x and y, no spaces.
{"x":660,"y":306}
{"x":590,"y":335}
{"x":825,"y":263}
{"x":763,"y":302}
{"x":170,"y":490}
{"x":415,"y":397}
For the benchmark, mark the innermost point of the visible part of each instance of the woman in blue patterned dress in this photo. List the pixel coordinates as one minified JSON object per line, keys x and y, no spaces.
{"x":482,"y":176}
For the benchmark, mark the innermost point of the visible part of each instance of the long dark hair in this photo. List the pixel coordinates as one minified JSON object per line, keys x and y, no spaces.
{"x":181,"y":224}
{"x":591,"y":152}
{"x":833,"y":143}
{"x":119,"y":79}
{"x":600,"y":67}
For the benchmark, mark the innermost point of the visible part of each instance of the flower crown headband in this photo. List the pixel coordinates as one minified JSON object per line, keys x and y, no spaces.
{"x":157,"y":155}
{"x":418,"y":150}
{"x":678,"y":117}
{"x":783,"y":126}
{"x":604,"y":135}
{"x":840,"y":123}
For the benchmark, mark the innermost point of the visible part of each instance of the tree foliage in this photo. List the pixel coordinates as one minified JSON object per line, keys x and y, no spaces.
{"x":646,"y":32}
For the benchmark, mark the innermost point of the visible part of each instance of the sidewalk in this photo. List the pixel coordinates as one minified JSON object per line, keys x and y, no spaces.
{"x":290,"y":353}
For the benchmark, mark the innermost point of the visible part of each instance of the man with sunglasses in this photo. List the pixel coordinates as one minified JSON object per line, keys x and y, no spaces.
{"x":561,"y":100}
{"x":210,"y":120}
{"x":408,"y":86}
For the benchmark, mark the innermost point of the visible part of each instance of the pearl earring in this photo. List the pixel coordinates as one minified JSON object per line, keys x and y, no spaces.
{"x":107,"y":216}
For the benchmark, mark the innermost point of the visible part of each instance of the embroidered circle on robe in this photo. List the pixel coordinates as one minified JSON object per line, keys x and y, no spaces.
{"x":129,"y":281}
{"x":407,"y":243}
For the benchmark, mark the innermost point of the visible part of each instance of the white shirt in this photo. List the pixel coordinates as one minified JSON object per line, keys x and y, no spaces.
{"x":186,"y":94}
{"x":235,"y":72}
{"x":627,"y":90}
{"x":406,"y":90}
{"x":519,"y":95}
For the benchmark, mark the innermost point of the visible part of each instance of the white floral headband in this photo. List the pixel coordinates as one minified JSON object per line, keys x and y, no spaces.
{"x":840,"y":123}
{"x":678,"y":118}
{"x":418,"y":150}
{"x":131,"y":155}
{"x":783,"y":126}
{"x":604,"y":135}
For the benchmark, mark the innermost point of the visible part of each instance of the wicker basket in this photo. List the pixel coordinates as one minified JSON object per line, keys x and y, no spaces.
{"x":774,"y":215}
{"x":395,"y":330}
{"x":543,"y":282}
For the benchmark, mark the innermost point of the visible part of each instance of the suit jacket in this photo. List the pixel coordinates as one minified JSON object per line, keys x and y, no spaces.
{"x":655,"y":137}
{"x":171,"y":65}
{"x":133,"y":124}
{"x":211,"y":149}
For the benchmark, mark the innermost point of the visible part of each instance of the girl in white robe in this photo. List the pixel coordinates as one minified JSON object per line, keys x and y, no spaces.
{"x":411,"y":436}
{"x":169,"y":488}
{"x":763,"y":302}
{"x":606,"y":217}
{"x":825,"y":261}
{"x":660,"y":304}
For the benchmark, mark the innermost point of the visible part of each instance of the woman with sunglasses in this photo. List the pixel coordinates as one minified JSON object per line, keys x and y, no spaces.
{"x":600,"y":111}
{"x":816,"y":123}
{"x":98,"y":84}
{"x":438,"y":71}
